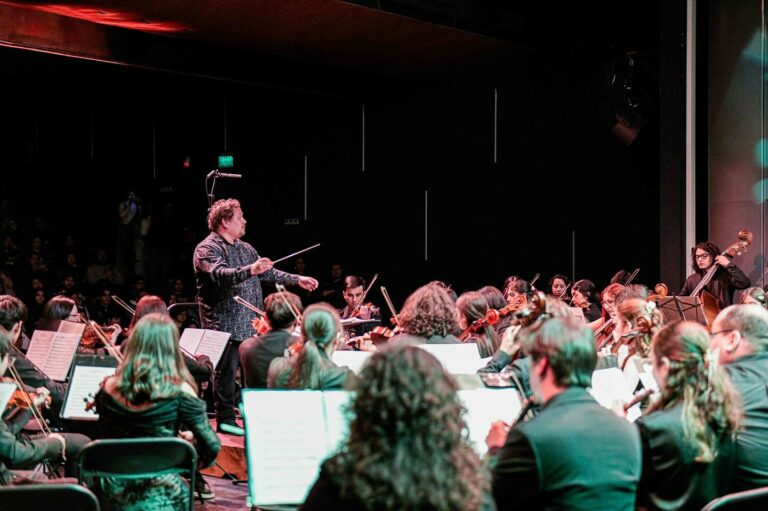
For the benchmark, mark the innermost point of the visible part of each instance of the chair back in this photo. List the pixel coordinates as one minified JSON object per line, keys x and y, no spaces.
{"x":740,"y":501}
{"x":139,"y":458}
{"x":47,"y":497}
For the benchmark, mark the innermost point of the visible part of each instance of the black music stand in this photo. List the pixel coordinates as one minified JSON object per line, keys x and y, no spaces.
{"x":683,"y":308}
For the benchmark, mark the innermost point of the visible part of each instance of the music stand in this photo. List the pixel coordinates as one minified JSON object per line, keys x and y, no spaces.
{"x":685,"y":308}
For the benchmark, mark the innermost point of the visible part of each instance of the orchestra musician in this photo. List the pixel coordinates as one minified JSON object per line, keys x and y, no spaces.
{"x":429,"y":314}
{"x":726,"y":280}
{"x":226,"y":266}
{"x":575,"y":454}
{"x":496,"y":301}
{"x":515,"y":287}
{"x":354,"y":293}
{"x":608,"y":302}
{"x":583,"y":294}
{"x":558,"y":287}
{"x":687,"y":435}
{"x":472,"y":306}
{"x":754,"y":295}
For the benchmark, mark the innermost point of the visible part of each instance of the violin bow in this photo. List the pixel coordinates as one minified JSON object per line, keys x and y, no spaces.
{"x":534,"y":279}
{"x":249,"y":305}
{"x":362,"y":300}
{"x":390,"y":305}
{"x":281,"y":291}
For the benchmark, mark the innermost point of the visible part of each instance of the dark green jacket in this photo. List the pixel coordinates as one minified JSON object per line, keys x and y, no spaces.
{"x":574,"y":455}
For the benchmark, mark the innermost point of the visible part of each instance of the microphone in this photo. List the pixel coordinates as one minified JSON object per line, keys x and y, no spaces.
{"x":216,"y":173}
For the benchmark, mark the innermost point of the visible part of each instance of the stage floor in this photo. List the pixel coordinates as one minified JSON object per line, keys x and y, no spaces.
{"x":228,"y":496}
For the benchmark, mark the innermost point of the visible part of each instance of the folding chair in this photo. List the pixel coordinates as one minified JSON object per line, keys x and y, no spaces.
{"x":740,"y":501}
{"x":139,"y":458}
{"x":47,"y":497}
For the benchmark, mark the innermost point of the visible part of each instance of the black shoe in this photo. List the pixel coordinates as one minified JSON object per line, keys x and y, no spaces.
{"x":203,"y":489}
{"x":230,"y":428}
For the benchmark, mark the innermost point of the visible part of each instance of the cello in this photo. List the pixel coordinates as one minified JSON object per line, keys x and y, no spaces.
{"x":709,"y":302}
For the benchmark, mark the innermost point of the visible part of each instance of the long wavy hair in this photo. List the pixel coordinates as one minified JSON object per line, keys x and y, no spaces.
{"x":407,"y":446}
{"x":473,"y":306}
{"x":152,"y":368}
{"x":321,"y":328}
{"x":147,"y":304}
{"x":711,"y":407}
{"x":429,"y":311}
{"x":708,"y":247}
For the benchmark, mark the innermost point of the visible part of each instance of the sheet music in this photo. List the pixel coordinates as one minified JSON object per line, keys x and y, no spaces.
{"x":456,"y":358}
{"x":286,"y":442}
{"x":52,"y":352}
{"x":485,"y":406}
{"x":355,"y":360}
{"x":205,"y":342}
{"x":6,"y":391}
{"x":577,"y":312}
{"x":84,"y":386}
{"x":337,"y":421}
{"x":609,"y":386}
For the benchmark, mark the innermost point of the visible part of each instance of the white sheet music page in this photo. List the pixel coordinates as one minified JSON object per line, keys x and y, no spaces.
{"x":285,"y":443}
{"x":83,"y":387}
{"x":456,"y":358}
{"x":484,"y":407}
{"x":212,"y":343}
{"x":6,"y":391}
{"x":39,"y":347}
{"x":609,"y":386}
{"x":62,"y":351}
{"x":336,"y":420}
{"x":355,"y":360}
{"x":190,"y":339}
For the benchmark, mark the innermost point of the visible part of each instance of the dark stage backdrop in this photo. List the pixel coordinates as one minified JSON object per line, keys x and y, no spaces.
{"x":417,"y":197}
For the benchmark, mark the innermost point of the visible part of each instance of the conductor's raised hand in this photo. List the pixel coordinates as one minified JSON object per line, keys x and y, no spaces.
{"x":261,"y":265}
{"x":308,"y":283}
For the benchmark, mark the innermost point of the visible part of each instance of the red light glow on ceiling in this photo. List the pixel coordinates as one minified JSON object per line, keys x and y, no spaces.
{"x":129,"y":20}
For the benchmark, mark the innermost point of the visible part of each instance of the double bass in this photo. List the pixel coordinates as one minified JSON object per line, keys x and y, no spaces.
{"x":709,"y":303}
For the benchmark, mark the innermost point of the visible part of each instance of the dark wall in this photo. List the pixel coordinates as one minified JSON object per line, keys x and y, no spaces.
{"x":70,"y":125}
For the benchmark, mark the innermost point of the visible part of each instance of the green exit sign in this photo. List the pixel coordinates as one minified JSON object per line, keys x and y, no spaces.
{"x":226,"y":161}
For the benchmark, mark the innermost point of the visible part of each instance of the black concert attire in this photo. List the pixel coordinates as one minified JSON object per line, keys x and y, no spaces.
{"x":161,"y":419}
{"x":592,"y":312}
{"x":723,"y":284}
{"x":257,"y":353}
{"x":21,"y":453}
{"x":574,"y":455}
{"x":223,"y":270}
{"x":671,"y":478}
{"x":749,"y":375}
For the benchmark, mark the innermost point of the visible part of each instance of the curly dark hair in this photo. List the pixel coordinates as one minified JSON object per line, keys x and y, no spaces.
{"x":407,"y":447}
{"x":708,"y":247}
{"x":222,"y":209}
{"x":429,"y":311}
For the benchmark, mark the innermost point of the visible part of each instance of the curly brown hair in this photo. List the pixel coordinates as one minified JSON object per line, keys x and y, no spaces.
{"x":429,"y":311}
{"x":407,"y":447}
{"x":222,"y":209}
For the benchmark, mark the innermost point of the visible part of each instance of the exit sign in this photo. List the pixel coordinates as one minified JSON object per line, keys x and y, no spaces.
{"x":226,"y":161}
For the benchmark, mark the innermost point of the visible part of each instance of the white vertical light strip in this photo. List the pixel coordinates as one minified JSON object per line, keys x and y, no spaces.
{"x":363,"y":137}
{"x":154,"y":150}
{"x":762,"y":146}
{"x":226,"y":111}
{"x":690,"y":133}
{"x":305,"y":187}
{"x":573,"y":256}
{"x":426,"y":223}
{"x":495,"y":124}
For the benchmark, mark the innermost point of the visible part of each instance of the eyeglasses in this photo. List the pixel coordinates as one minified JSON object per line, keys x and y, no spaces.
{"x":702,"y":256}
{"x":713,"y":334}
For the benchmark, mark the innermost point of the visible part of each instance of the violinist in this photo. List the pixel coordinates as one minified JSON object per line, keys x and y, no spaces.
{"x":637,"y":321}
{"x":514,"y":288}
{"x":429,"y":314}
{"x":606,"y":324}
{"x":496,"y":301}
{"x":726,"y":280}
{"x":60,"y":308}
{"x":472,"y":307}
{"x":23,"y":453}
{"x":583,"y":296}
{"x":558,"y":287}
{"x":12,"y":315}
{"x":257,"y":353}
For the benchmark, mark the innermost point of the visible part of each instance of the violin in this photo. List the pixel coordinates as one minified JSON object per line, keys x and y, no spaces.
{"x":23,"y":399}
{"x":365,"y":311}
{"x":260,"y":325}
{"x":493,"y":316}
{"x":660,"y":291}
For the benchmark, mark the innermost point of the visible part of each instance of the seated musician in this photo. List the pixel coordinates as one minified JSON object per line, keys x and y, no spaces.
{"x":637,"y":321}
{"x":608,"y":302}
{"x":313,"y":367}
{"x":430,"y":314}
{"x":19,"y":452}
{"x":406,"y":447}
{"x":13,"y":313}
{"x":726,"y":280}
{"x":740,"y":336}
{"x":151,"y":394}
{"x":472,"y":307}
{"x":687,"y":435}
{"x":61,"y":308}
{"x":354,"y":290}
{"x":584,"y":293}
{"x":514,"y":288}
{"x":257,"y":353}
{"x":495,"y":299}
{"x":575,"y":454}
{"x":558,"y":287}
{"x":754,"y":295}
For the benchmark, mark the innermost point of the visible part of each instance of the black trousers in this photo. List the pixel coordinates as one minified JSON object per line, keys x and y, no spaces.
{"x":224,"y":385}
